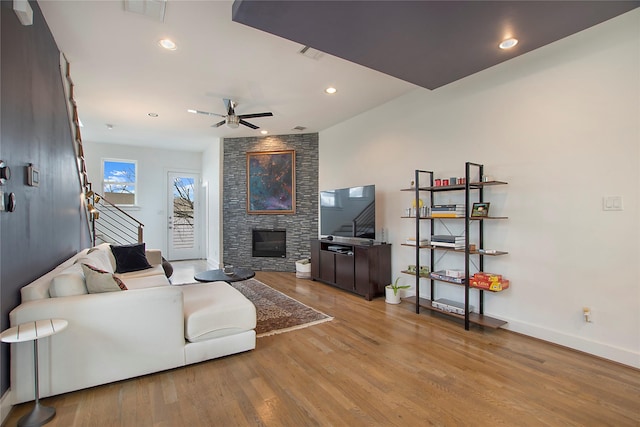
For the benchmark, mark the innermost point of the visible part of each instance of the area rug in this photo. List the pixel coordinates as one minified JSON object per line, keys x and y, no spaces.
{"x":277,"y":312}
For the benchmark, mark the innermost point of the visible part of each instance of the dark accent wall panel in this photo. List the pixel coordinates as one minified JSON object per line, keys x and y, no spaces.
{"x":48,"y":225}
{"x":301,"y":227}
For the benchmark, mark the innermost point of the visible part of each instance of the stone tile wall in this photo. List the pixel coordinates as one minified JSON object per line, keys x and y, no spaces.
{"x":237,"y":224}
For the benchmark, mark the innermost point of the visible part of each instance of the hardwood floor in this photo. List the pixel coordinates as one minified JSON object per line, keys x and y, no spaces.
{"x":374,"y":365}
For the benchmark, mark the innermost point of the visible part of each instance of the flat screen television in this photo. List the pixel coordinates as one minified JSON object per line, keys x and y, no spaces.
{"x":348,"y":212}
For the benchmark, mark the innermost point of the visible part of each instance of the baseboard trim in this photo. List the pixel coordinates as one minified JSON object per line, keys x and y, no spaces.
{"x":606,"y":351}
{"x":619,"y":355}
{"x":5,"y":406}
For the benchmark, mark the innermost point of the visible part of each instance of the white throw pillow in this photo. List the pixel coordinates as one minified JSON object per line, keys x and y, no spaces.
{"x":68,"y":283}
{"x":99,"y":259}
{"x":101,"y":281}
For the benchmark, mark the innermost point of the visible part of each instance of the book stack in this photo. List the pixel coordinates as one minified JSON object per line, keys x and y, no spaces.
{"x":447,"y":241}
{"x":451,"y":306}
{"x":447,"y":211}
{"x":442,"y":275}
{"x":412,"y":241}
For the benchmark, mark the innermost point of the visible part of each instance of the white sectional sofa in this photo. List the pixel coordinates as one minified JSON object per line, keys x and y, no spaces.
{"x":151,"y":326}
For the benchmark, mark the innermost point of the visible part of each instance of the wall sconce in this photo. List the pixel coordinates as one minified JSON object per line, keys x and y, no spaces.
{"x":90,"y":194}
{"x":5,"y":172}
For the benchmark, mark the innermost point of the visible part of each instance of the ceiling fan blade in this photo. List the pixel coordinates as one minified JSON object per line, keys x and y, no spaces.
{"x":206,"y":113}
{"x":217,"y":125}
{"x":229,"y":105}
{"x":253,"y":116}
{"x":247,"y":124}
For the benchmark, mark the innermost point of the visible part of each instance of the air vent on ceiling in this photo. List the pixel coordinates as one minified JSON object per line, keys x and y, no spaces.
{"x":299,"y":128}
{"x":309,"y":52}
{"x":154,"y":9}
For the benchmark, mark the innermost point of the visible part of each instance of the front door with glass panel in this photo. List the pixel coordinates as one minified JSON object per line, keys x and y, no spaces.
{"x":183,"y":219}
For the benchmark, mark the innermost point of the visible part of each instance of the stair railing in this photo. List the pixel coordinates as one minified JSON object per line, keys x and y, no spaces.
{"x":111,"y":224}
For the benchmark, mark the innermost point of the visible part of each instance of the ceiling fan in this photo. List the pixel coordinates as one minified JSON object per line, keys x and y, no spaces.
{"x":231,"y":119}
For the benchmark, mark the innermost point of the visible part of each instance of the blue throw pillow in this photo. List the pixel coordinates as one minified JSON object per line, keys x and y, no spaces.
{"x":130,"y":257}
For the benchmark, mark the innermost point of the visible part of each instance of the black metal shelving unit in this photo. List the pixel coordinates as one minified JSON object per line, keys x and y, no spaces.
{"x":471,"y":190}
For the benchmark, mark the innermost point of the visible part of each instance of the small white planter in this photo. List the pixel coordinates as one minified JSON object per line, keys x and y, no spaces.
{"x":390,"y":298}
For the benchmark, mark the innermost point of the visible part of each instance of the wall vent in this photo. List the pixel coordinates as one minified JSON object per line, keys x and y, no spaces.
{"x":311,"y":53}
{"x":299,"y":128}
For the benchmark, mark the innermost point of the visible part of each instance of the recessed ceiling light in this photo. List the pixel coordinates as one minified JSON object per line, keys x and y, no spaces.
{"x":153,"y":114}
{"x":264,"y":132}
{"x":331,"y":90}
{"x":109,"y":126}
{"x":192,"y":111}
{"x":167,"y":44}
{"x":508,"y":43}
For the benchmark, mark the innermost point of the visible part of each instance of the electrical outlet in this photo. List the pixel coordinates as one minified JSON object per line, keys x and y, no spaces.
{"x":586,"y":312}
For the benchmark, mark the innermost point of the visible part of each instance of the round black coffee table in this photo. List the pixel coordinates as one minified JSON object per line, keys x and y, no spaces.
{"x":239,"y":274}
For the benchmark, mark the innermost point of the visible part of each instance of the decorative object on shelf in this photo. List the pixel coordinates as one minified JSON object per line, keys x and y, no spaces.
{"x":271,"y":184}
{"x":391,"y":292}
{"x":228,"y":270}
{"x":489,"y":282}
{"x":416,"y":207}
{"x":480,"y":210}
{"x":411,"y":268}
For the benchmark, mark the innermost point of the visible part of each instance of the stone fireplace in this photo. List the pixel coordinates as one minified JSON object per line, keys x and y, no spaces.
{"x":238,"y":225}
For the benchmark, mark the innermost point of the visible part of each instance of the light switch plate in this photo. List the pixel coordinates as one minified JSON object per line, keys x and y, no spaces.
{"x":612,"y":203}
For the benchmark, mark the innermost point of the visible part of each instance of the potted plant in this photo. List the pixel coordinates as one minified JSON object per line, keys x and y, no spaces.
{"x":391,"y":292}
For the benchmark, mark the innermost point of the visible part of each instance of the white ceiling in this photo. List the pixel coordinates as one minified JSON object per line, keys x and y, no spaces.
{"x":121,"y":75}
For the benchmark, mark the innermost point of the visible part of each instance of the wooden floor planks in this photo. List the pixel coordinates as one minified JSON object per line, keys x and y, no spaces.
{"x":373,"y":365}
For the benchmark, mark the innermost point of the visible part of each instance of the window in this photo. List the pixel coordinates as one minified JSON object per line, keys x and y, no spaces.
{"x":356,"y":192}
{"x":119,"y":181}
{"x":328,"y":198}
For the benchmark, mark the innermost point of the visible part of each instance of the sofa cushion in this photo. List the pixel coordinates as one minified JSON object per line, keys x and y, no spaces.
{"x":130,"y":257}
{"x":98,"y":259}
{"x":142,"y":282}
{"x":106,"y":247}
{"x":68,"y":282}
{"x":101,"y":281}
{"x":215,"y":309}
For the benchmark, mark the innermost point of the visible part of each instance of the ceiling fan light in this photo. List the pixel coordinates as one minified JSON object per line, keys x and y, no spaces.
{"x":233,"y":122}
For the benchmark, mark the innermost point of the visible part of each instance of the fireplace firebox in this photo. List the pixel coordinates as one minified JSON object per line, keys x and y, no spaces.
{"x":269,"y":243}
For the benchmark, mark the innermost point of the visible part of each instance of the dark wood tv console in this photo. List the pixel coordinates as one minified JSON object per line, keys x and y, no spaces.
{"x":359,"y":268}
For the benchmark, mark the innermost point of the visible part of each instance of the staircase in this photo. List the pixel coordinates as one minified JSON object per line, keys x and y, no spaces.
{"x":106,"y":222}
{"x":361,"y":226}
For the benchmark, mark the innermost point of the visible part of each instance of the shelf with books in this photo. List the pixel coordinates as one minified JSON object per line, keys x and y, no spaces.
{"x":475,"y":318}
{"x":472,"y":213}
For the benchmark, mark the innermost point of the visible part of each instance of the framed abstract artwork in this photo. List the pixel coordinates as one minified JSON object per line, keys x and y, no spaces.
{"x":271,"y":182}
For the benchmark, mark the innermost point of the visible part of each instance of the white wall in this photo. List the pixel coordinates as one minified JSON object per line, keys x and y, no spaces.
{"x":152,"y":198}
{"x":561,"y":125}
{"x":212,"y":184}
